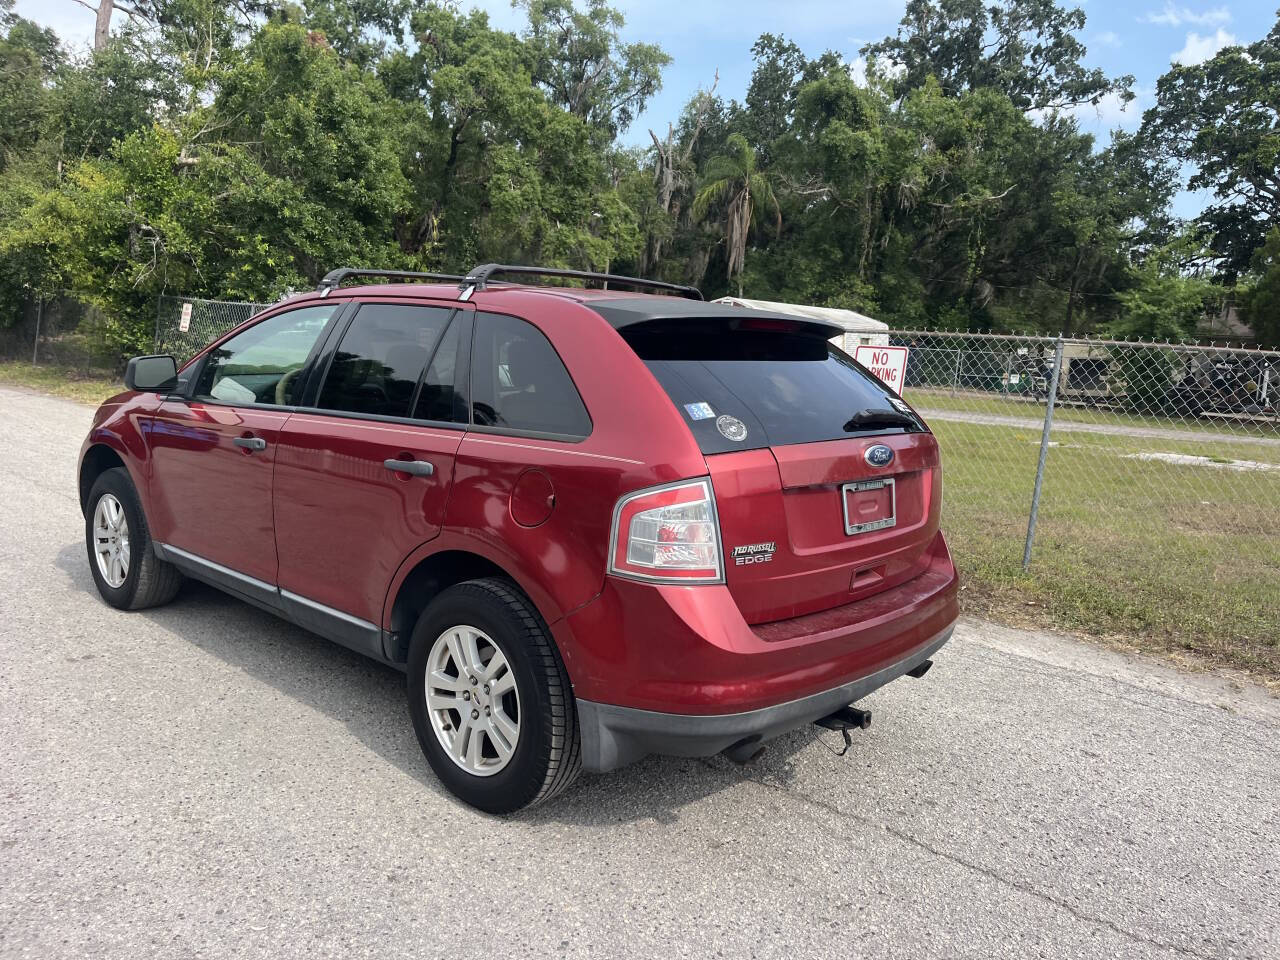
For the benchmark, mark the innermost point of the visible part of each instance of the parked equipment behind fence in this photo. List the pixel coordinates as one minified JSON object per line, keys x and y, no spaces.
{"x":1058,"y":443}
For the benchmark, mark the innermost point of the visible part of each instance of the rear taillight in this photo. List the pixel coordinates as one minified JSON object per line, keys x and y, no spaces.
{"x":667,"y":533}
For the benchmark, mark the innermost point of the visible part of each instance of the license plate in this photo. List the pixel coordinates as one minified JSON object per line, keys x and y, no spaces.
{"x":869,"y":505}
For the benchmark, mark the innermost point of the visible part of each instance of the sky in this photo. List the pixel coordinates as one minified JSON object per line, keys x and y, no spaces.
{"x":1139,"y":37}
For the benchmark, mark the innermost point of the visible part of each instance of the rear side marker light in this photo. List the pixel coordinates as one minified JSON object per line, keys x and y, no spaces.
{"x":668,"y":534}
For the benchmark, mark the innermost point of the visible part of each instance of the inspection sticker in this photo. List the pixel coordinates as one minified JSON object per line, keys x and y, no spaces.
{"x":699,"y":411}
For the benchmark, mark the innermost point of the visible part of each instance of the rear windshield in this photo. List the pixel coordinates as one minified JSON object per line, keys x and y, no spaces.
{"x":780,"y":385}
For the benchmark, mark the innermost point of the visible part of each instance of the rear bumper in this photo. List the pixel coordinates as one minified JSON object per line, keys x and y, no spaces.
{"x":614,"y":736}
{"x":676,"y":669}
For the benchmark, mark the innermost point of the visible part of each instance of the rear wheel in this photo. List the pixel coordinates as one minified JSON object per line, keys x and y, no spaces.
{"x":125,"y":568}
{"x":490,"y":700}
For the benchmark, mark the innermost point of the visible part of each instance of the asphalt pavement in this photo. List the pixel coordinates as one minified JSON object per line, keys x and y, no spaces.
{"x":203,"y":780}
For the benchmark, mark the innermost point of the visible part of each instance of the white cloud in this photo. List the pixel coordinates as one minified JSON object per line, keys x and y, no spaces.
{"x":1172,"y":16}
{"x":1112,"y":113}
{"x":1198,"y":49}
{"x":858,"y":70}
{"x":1108,"y":38}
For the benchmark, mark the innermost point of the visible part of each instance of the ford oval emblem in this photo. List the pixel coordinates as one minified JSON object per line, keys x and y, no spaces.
{"x":878,"y":455}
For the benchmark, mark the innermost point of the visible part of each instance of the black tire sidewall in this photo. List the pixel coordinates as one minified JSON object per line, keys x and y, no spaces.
{"x":520,"y":781}
{"x":117,"y":483}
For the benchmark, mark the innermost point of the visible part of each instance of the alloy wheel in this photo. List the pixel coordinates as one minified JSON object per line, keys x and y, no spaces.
{"x":111,"y":540}
{"x":472,"y":700}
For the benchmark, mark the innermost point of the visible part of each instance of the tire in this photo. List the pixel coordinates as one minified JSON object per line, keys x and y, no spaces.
{"x":147,"y":580}
{"x":546,"y":756}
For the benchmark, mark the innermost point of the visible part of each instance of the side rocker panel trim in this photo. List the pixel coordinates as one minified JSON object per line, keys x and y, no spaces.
{"x":342,"y":628}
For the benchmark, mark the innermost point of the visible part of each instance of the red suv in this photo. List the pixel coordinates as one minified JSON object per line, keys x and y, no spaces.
{"x":588,"y":524}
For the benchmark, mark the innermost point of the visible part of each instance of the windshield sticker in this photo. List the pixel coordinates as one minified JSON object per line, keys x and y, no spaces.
{"x":731,"y":428}
{"x":699,"y":411}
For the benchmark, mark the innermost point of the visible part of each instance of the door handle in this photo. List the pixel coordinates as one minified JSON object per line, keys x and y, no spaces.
{"x":250,"y":443}
{"x":416,"y":468}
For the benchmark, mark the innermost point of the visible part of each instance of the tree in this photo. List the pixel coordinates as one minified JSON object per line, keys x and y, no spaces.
{"x":1164,"y":305}
{"x":498,"y":172}
{"x":1222,"y":117}
{"x":29,"y":57}
{"x":118,"y":89}
{"x":1027,"y":49}
{"x":734,"y":184}
{"x":359,"y":30}
{"x":578,"y":58}
{"x":1260,"y":301}
{"x":292,"y":169}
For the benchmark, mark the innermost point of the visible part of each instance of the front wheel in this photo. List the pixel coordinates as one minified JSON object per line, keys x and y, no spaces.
{"x":124,"y":565}
{"x":490,"y":699}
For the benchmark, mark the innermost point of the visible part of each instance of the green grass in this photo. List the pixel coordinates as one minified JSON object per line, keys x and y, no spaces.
{"x":71,"y":382}
{"x":1172,"y":558}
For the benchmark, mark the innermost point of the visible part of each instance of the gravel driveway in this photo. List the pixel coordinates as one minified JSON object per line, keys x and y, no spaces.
{"x":204,"y":780}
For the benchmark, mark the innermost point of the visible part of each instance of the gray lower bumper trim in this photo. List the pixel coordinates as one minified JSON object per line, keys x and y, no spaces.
{"x":614,"y":736}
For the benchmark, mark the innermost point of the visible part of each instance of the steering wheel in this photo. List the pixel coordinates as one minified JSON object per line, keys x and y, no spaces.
{"x":282,"y":386}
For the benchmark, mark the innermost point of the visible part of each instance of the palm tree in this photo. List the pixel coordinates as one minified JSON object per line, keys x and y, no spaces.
{"x":734,"y":180}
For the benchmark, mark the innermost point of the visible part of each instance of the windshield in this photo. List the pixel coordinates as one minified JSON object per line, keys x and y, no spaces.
{"x":784,"y":385}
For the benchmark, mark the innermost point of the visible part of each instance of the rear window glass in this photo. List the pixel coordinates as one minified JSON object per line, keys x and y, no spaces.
{"x":782,"y":386}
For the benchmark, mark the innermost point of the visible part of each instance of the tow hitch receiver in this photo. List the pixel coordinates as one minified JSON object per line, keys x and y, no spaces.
{"x":846,"y":718}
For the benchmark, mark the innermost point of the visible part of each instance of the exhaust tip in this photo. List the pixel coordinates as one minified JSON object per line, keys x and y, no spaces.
{"x":745,"y":750}
{"x":920,"y":669}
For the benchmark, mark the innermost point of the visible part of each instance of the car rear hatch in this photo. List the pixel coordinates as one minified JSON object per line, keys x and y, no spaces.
{"x":828,"y":486}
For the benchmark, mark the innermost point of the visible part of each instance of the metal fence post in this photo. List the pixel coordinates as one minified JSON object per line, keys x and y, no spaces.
{"x":955,"y":372}
{"x":1044,"y":452}
{"x":35,"y":347}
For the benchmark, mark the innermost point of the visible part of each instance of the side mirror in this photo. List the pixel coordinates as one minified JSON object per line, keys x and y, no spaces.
{"x":155,"y":374}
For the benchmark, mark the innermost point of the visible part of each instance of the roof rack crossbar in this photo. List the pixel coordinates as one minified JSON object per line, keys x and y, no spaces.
{"x":478,"y":278}
{"x":333,"y":279}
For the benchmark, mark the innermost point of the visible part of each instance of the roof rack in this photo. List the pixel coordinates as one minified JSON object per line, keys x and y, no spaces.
{"x":333,"y":279}
{"x":479,"y":278}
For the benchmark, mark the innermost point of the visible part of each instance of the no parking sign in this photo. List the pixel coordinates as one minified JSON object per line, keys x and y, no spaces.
{"x":889,"y":364}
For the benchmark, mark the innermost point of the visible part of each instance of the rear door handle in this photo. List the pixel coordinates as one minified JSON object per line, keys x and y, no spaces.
{"x":417,"y":468}
{"x":250,"y":443}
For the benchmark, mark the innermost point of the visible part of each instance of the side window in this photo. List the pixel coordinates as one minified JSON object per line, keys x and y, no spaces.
{"x":379,"y":362}
{"x":261,"y":364}
{"x":439,"y":398}
{"x":519,"y":382}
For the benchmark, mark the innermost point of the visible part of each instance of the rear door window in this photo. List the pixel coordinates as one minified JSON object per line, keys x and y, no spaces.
{"x":379,"y":362}
{"x":518,"y":382}
{"x":782,"y":384}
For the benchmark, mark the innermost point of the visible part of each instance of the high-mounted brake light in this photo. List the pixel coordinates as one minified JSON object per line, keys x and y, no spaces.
{"x":668,"y":534}
{"x":767,"y":325}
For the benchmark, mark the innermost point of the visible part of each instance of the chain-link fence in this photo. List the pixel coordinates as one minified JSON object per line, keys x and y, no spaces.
{"x":185,"y":324}
{"x":1138,"y":476}
{"x":53,"y":331}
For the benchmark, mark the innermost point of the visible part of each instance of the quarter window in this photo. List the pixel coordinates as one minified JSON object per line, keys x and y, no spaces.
{"x":379,"y":363}
{"x":519,"y":382}
{"x":261,"y":365}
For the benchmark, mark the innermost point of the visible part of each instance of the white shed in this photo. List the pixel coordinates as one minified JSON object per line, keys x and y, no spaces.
{"x":858,"y":329}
